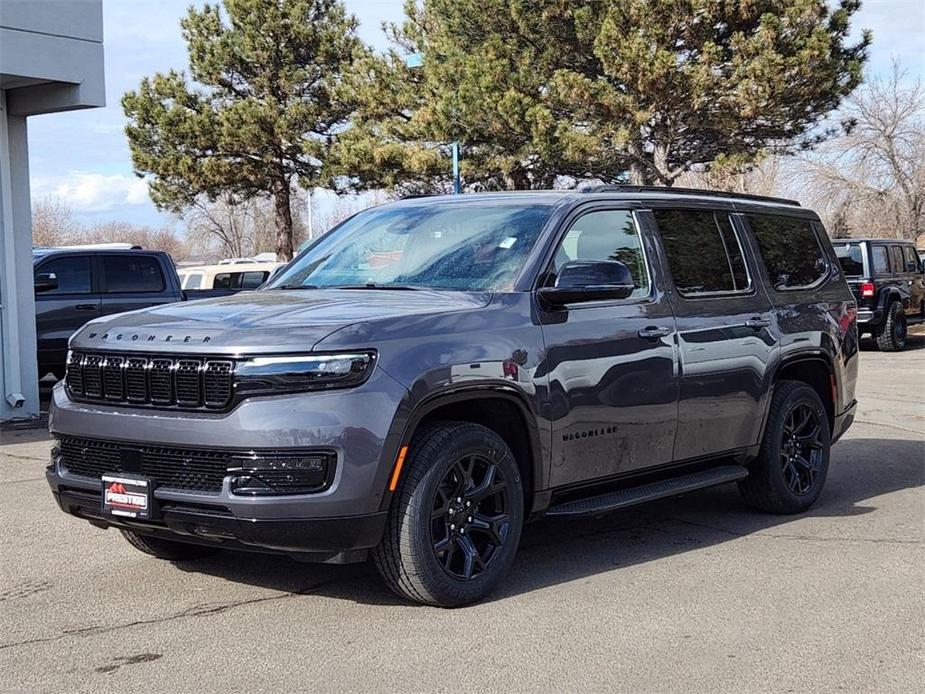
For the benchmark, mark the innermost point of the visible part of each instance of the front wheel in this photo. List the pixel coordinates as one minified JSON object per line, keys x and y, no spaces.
{"x":454,"y":525}
{"x":790,"y":470}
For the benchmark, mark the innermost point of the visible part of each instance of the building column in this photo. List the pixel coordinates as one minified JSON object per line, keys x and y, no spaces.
{"x":19,"y":392}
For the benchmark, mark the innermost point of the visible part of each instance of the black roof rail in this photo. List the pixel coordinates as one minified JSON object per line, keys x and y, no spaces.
{"x":686,"y":191}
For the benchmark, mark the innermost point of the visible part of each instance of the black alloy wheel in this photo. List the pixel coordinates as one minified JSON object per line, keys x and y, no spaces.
{"x":455,"y":520}
{"x":802,"y":448}
{"x":471,"y":516}
{"x":789,"y":471}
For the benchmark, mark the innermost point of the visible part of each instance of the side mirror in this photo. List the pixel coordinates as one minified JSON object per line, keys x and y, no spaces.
{"x":589,"y":280}
{"x":45,"y":282}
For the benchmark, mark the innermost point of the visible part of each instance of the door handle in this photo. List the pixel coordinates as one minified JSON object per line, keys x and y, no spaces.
{"x":653,"y":333}
{"x":757,"y":323}
{"x":85,"y":307}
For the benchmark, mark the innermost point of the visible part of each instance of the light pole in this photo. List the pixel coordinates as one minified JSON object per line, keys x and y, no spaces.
{"x":415,"y":61}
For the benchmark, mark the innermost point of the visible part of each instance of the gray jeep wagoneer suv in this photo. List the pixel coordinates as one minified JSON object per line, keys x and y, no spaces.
{"x":436,"y":371}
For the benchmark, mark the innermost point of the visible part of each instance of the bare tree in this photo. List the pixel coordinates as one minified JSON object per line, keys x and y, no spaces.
{"x":223,"y":226}
{"x":872,"y":179}
{"x":232,"y":228}
{"x":53,"y":223}
{"x":760,"y":178}
{"x":160,"y":239}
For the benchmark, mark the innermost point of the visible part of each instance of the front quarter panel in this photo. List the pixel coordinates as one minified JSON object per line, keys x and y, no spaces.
{"x":492,"y":349}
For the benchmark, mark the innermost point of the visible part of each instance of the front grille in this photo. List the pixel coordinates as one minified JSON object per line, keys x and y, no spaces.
{"x":196,"y":469}
{"x":161,"y":381}
{"x":191,"y":469}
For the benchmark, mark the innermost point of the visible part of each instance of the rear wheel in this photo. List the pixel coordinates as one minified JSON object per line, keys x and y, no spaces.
{"x":167,"y":549}
{"x":790,"y":470}
{"x":454,"y":525}
{"x":891,"y":334}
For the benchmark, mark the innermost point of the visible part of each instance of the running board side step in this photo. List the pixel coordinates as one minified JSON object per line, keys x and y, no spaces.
{"x":613,"y":501}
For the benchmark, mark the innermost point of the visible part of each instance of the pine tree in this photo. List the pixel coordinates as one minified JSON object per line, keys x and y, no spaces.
{"x":259,"y":111}
{"x":614,"y":90}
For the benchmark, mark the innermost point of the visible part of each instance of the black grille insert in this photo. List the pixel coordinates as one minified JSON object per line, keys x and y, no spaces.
{"x":203,"y":470}
{"x":112,"y":378}
{"x":192,"y":469}
{"x":157,"y":381}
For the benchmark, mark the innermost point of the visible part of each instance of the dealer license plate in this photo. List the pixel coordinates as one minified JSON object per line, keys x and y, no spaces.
{"x":127,"y":496}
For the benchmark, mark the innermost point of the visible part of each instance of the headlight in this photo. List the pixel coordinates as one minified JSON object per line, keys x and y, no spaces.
{"x":288,"y":374}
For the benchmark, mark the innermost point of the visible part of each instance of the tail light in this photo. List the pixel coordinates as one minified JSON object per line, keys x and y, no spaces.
{"x":867,"y":290}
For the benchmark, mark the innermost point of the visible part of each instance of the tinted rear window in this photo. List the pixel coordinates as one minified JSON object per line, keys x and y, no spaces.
{"x":129,"y":274}
{"x":881,"y":260}
{"x":896,"y":253}
{"x":703,"y":251}
{"x":253,"y":279}
{"x":851,"y":258}
{"x":791,"y":251}
{"x":227,"y":280}
{"x":912,"y":261}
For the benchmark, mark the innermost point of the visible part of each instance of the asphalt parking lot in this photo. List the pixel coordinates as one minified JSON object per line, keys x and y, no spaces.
{"x":695,"y":593}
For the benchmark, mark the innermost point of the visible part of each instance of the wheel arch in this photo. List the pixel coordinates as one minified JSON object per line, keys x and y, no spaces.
{"x":889,"y":295}
{"x":817,"y":370}
{"x":501,"y":409}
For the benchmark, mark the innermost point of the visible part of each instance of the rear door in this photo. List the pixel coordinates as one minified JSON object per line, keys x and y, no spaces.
{"x":916,"y":276}
{"x":726,"y":333}
{"x":60,"y":312}
{"x":880,"y":268}
{"x":131,"y":281}
{"x":612,"y":365}
{"x":905,"y":277}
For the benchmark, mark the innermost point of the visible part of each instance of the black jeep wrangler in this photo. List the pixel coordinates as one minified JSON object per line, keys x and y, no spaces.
{"x":887,"y":279}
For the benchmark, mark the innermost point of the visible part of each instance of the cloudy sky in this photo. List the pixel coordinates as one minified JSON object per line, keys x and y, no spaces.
{"x":83,"y":159}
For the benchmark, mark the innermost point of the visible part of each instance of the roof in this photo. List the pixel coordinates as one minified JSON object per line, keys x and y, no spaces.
{"x":42,"y":252}
{"x":870,"y":239}
{"x":620,"y":192}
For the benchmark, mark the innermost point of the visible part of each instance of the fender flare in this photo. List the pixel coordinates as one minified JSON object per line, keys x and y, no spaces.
{"x":887,"y":296}
{"x":815,"y":354}
{"x":407,"y":423}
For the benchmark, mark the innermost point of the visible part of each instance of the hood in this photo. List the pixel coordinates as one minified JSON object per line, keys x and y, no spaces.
{"x":262,"y":321}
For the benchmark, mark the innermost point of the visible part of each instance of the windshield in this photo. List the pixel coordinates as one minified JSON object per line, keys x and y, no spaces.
{"x":851,"y":258}
{"x":453,"y":245}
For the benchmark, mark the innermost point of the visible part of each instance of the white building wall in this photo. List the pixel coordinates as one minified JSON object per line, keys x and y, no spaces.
{"x":51,"y":59}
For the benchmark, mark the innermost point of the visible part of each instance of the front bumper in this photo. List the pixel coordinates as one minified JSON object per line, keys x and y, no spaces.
{"x":211,"y":521}
{"x":358,"y":425}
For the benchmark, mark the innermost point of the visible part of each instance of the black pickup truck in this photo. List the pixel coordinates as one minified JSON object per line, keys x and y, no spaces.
{"x":886,"y":277}
{"x":75,"y":285}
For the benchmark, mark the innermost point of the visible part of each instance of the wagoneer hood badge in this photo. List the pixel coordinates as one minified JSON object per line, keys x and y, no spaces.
{"x":264,"y":321}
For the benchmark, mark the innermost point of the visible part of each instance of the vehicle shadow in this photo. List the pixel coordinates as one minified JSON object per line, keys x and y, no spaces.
{"x":558,"y":551}
{"x":915,"y":339}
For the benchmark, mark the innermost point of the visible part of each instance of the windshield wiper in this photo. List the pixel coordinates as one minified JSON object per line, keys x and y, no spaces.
{"x":373,"y":285}
{"x":297,"y":286}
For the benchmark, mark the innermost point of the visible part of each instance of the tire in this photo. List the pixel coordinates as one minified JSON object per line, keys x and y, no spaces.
{"x":891,"y":334}
{"x":789,"y":473}
{"x":424,"y":556}
{"x":170,"y":550}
